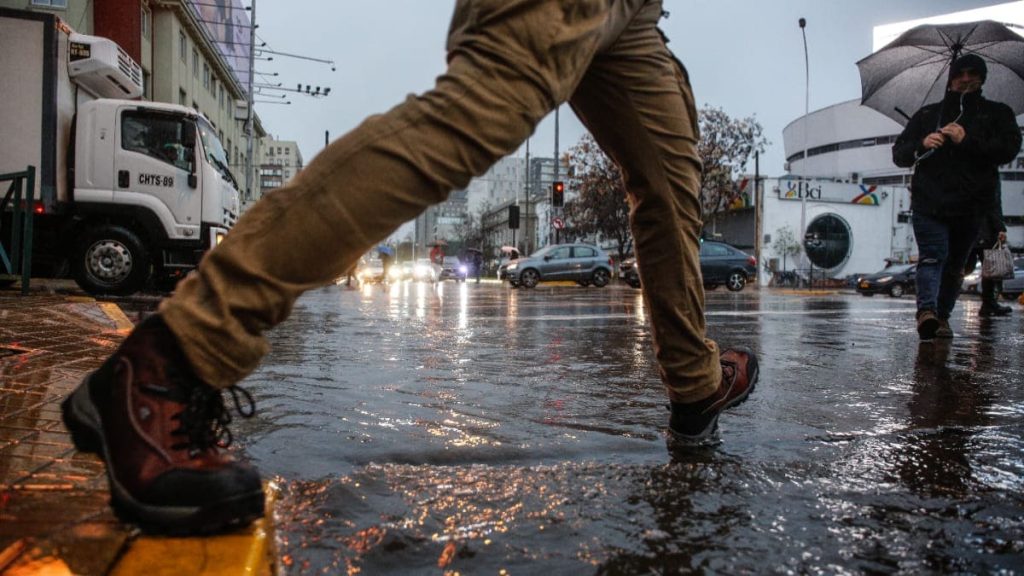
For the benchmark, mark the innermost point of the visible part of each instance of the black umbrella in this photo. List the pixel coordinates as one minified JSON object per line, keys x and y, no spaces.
{"x":913,"y":69}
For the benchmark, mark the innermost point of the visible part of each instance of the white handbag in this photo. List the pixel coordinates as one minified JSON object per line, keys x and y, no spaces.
{"x":997,"y":262}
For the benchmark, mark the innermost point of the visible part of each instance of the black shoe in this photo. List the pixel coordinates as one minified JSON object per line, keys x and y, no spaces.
{"x":696,"y":422}
{"x":927,"y":324}
{"x":160,"y":430}
{"x":993,"y":308}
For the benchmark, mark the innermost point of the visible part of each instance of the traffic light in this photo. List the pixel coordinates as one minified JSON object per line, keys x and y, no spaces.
{"x":558,"y":193}
{"x":513,"y":217}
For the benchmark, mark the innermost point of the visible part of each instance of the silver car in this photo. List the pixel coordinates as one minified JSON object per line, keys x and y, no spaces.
{"x":584,"y":264}
{"x":1013,"y":288}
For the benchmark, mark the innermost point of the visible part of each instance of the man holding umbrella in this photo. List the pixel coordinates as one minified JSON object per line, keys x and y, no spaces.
{"x":955,"y":147}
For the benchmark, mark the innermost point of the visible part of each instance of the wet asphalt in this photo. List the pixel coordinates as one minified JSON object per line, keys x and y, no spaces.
{"x":475,"y":429}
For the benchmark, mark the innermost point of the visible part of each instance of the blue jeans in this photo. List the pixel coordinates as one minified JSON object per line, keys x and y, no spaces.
{"x":943,"y":245}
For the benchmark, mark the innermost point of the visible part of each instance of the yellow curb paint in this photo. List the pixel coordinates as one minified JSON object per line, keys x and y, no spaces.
{"x":79,"y":299}
{"x":247,"y":552}
{"x":113,"y":311}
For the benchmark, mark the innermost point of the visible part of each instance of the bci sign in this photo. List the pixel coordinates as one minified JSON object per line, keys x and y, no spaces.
{"x":800,"y":189}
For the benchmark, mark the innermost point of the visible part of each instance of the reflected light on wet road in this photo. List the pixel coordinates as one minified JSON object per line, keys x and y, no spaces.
{"x":473,"y":429}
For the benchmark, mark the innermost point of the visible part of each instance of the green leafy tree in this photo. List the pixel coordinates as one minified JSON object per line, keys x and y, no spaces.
{"x":726,"y":146}
{"x":599,"y":209}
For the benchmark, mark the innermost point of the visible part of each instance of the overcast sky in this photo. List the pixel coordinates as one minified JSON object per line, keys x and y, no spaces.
{"x":744,"y":56}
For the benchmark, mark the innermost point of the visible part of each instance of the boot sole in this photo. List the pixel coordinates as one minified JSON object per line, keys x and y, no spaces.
{"x":82,"y":419}
{"x":706,"y":436}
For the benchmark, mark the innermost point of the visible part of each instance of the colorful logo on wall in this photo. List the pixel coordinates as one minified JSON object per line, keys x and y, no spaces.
{"x":740,"y":195}
{"x":867,"y":196}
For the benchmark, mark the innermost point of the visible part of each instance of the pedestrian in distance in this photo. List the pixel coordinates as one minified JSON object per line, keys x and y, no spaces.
{"x":154,"y":410}
{"x":437,"y":254}
{"x":993,"y":231}
{"x":955,"y":147}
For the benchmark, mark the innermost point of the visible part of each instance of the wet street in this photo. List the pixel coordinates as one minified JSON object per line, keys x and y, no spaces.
{"x":474,"y":429}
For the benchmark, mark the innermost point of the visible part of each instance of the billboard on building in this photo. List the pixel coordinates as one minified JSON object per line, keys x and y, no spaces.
{"x":227,"y":25}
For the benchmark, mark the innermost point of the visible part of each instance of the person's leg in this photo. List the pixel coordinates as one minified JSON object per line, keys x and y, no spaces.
{"x":932,"y":238}
{"x":509,"y":62}
{"x":963,"y":234}
{"x":636,"y":101}
{"x":152,"y":411}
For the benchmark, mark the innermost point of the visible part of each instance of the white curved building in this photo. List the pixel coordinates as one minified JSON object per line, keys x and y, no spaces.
{"x":848,"y":142}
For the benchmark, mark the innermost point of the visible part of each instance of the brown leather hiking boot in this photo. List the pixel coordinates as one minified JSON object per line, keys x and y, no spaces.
{"x":696,"y":422}
{"x":161,"y":431}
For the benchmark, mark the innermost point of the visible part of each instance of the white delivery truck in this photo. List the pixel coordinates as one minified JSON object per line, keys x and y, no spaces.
{"x":125,"y":189}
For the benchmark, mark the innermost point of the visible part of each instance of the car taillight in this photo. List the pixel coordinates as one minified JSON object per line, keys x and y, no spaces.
{"x":752,"y":261}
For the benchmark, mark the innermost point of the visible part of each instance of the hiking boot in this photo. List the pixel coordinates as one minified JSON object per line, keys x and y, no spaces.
{"x":993,"y":308}
{"x":696,"y":422}
{"x":160,"y":430}
{"x":927,"y":324}
{"x":943,"y":331}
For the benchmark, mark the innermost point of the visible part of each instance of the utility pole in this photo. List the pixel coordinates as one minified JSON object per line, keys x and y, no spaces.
{"x":250,"y":113}
{"x":551,"y":220}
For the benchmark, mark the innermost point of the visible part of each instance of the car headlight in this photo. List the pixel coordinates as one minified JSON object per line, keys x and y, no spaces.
{"x":463,"y":269}
{"x":511,"y":267}
{"x":884,"y":279}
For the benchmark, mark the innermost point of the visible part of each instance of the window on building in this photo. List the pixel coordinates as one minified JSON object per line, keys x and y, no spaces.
{"x":195,"y":63}
{"x":182,"y":46}
{"x":145,"y":22}
{"x":287,"y":151}
{"x":195,"y":106}
{"x":206,"y":75}
{"x":51,"y":3}
{"x":828,"y":241}
{"x":182,"y":97}
{"x":147,"y":88}
{"x":220,"y":95}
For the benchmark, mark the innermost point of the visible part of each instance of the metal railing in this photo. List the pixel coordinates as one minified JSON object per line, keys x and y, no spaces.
{"x":19,"y":199}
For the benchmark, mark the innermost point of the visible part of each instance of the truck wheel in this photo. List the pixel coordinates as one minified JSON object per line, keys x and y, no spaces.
{"x":110,"y":260}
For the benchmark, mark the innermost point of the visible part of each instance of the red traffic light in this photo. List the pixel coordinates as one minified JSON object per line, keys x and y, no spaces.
{"x":557,"y":193}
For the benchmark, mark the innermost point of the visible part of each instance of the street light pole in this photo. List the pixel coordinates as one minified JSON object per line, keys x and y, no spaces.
{"x":250,"y":113}
{"x":807,"y":107}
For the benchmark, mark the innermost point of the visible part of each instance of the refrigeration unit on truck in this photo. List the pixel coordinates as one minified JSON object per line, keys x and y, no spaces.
{"x":126,"y":189}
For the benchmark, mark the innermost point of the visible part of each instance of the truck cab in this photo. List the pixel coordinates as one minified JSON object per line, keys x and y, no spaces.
{"x":152,"y":192}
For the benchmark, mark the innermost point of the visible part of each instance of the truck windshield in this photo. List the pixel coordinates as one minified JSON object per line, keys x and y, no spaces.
{"x":215,"y":153}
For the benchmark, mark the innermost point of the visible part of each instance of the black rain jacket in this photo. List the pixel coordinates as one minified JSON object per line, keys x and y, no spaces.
{"x":958,"y":179}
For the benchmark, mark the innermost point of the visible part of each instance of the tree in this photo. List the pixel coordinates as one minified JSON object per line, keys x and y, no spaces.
{"x":785,"y":244}
{"x":599,"y":208}
{"x":726,"y":145}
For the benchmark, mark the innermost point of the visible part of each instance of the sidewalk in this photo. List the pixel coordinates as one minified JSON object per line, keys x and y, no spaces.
{"x":54,"y":517}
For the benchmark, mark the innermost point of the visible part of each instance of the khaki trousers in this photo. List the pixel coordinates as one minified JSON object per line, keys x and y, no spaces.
{"x":510,"y":62}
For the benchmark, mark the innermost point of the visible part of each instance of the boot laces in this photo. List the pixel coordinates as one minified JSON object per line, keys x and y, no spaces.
{"x":205,"y":419}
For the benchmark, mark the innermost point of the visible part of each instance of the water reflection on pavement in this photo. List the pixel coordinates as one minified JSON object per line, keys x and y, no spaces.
{"x":474,"y":429}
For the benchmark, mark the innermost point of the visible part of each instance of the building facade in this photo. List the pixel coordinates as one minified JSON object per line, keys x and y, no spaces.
{"x":280,"y":161}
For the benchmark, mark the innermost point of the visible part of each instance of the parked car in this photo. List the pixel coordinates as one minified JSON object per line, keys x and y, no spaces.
{"x":1013,"y":288}
{"x":425,"y":271}
{"x":584,"y":264}
{"x":453,"y":268}
{"x":972,"y":281}
{"x":720,"y":263}
{"x":895,"y":280}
